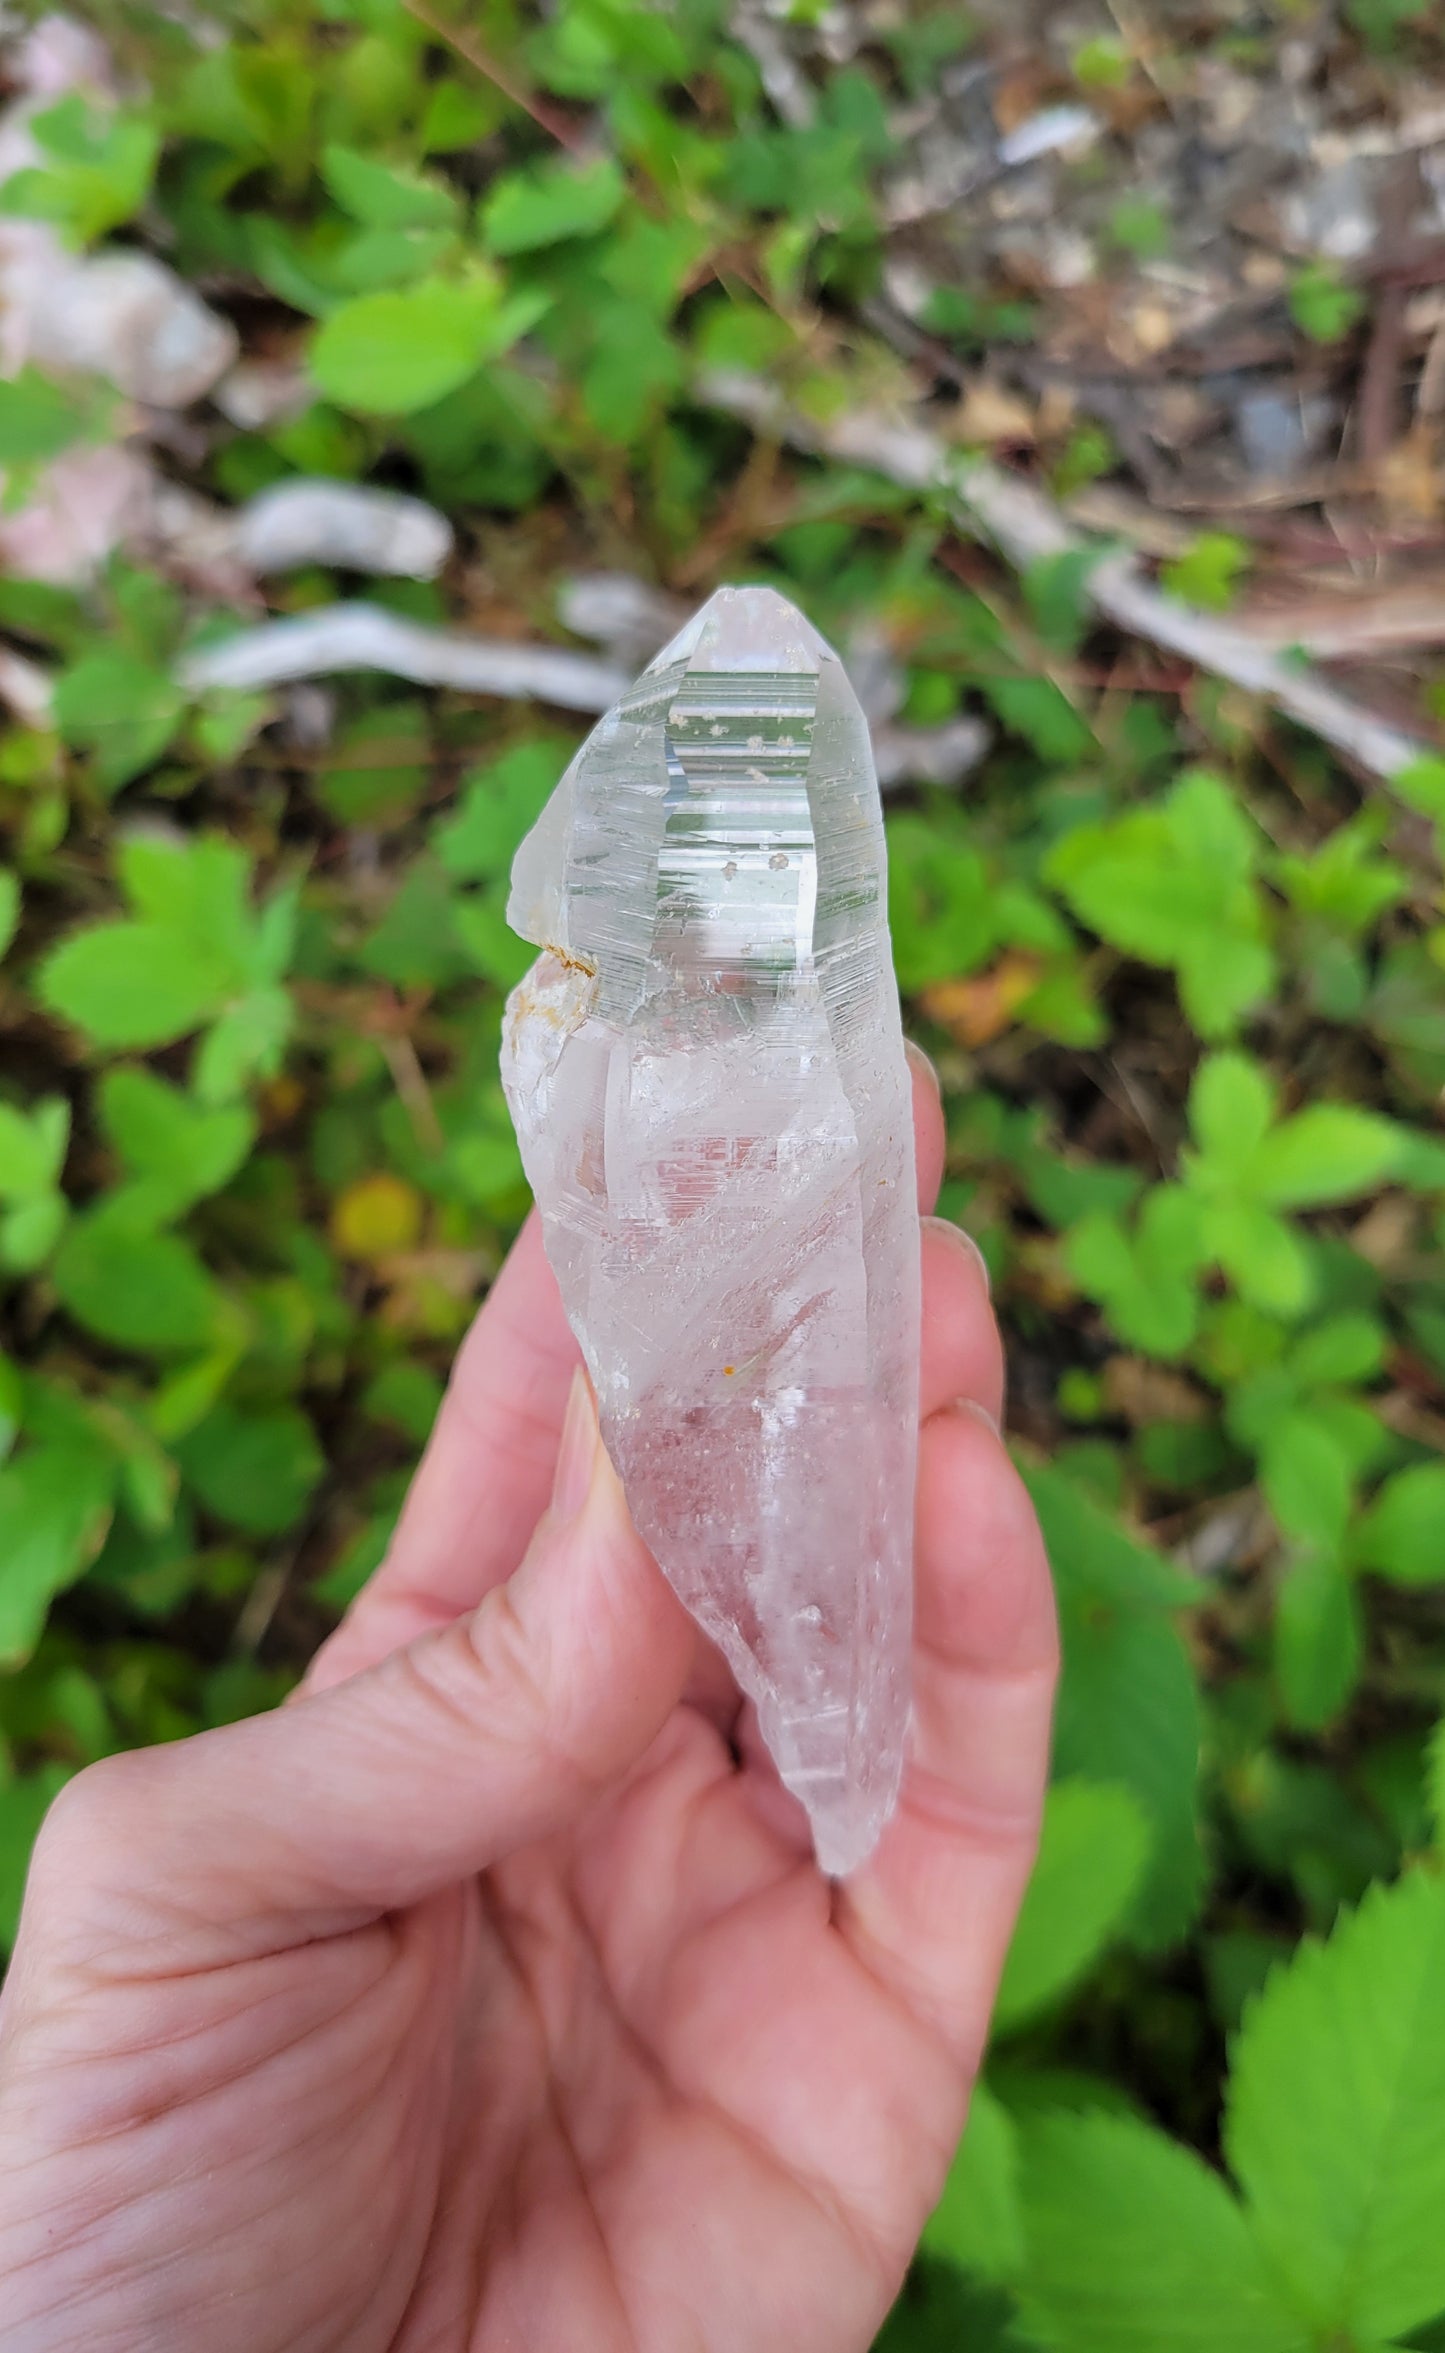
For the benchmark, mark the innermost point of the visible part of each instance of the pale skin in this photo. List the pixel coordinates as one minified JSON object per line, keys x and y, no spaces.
{"x":486,"y":1999}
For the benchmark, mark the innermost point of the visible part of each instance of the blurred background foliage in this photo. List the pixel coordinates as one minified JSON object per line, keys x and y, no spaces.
{"x":1183,"y":975}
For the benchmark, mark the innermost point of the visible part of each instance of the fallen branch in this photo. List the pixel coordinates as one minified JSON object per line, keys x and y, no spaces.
{"x":1026,"y":527}
{"x":464,"y":44}
{"x":367,"y":637}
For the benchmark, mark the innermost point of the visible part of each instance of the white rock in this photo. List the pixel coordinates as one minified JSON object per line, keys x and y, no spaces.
{"x":706,"y":1071}
{"x":1049,"y":132}
{"x":82,"y":505}
{"x":125,"y":316}
{"x":258,"y":392}
{"x":344,"y":524}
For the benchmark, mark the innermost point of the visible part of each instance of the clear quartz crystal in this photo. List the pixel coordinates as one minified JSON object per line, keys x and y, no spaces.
{"x":705,"y":1067}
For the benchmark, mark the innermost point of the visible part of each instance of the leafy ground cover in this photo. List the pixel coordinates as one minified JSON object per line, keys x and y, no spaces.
{"x":1184,"y":978}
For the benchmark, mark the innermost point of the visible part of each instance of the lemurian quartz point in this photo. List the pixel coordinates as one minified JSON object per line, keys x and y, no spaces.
{"x":706,"y":1070}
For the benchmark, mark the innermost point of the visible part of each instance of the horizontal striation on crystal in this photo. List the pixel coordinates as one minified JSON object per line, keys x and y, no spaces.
{"x":706,"y":1071}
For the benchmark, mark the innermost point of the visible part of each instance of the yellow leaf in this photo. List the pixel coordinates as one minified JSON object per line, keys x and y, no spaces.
{"x":376,"y":1217}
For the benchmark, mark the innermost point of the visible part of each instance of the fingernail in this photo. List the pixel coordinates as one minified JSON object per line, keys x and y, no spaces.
{"x":966,"y":1242}
{"x":977,"y":1413}
{"x":578,"y":1451}
{"x":919,"y":1062}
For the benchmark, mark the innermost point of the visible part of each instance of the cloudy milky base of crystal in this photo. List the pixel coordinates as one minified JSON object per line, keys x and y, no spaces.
{"x":706,"y":1071}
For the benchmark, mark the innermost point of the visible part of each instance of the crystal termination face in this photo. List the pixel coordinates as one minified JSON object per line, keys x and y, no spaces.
{"x":706,"y":1071}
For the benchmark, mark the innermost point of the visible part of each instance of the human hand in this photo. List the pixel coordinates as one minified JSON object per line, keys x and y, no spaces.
{"x":487,"y":1995}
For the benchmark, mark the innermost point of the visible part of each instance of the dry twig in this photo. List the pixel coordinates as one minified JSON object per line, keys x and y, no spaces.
{"x":1025,"y":526}
{"x":365,"y":637}
{"x":464,"y":44}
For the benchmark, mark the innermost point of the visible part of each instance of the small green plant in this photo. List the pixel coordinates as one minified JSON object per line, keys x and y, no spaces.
{"x":1140,"y":227}
{"x":1211,"y":571}
{"x":1102,"y":63}
{"x":1322,"y":304}
{"x":1381,"y":22}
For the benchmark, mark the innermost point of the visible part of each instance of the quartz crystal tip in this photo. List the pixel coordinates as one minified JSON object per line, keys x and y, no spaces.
{"x":706,"y":1071}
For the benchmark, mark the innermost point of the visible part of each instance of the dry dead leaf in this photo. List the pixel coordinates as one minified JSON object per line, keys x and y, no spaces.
{"x":990,"y":413}
{"x":1142,"y":1392}
{"x":977,"y":1009}
{"x":1409,"y":476}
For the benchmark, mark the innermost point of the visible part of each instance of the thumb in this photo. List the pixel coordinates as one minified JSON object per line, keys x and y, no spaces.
{"x":369,"y":1796}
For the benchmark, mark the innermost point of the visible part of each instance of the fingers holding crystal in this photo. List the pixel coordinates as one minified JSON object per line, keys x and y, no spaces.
{"x":932,"y":1911}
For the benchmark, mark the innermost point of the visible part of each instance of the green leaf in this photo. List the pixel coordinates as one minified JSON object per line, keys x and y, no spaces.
{"x":390,"y":353}
{"x":634,"y":365}
{"x":1133,"y":2245}
{"x":554,"y":201}
{"x":379,"y":767}
{"x":1347,"y":1347}
{"x":12,"y":1408}
{"x":1403,"y":1532}
{"x":1318,"y":1640}
{"x":132,"y":984}
{"x":55,"y":1503}
{"x":196,"y":888}
{"x":136,"y":1290}
{"x":416,"y":944}
{"x":1209,"y":574}
{"x":498,"y":805}
{"x":390,"y":257}
{"x":1139,"y":226}
{"x":181,"y":1149}
{"x":1321,"y":304}
{"x":1039,"y":711}
{"x":456,"y":117}
{"x":24,"y":1803}
{"x":1057,"y":591}
{"x":1128,"y":1707}
{"x":1332,"y":2122}
{"x":1092,"y":1858}
{"x":1422,"y":784}
{"x":9,"y":907}
{"x":29,"y":1232}
{"x":98,"y":169}
{"x":1263,"y":1257}
{"x":1148,"y":1280}
{"x":121,"y":709}
{"x":37,"y":419}
{"x":1344,"y":882}
{"x":32,"y":1148}
{"x":1435,"y":1782}
{"x":1307,"y":1479}
{"x":942,"y":2310}
{"x":247,"y":1042}
{"x":942,"y":901}
{"x":1330,"y":1152}
{"x":407,"y":1396}
{"x":381,"y":196}
{"x":254,"y":1470}
{"x":1231,"y":1109}
{"x":977,"y":2222}
{"x":1173,"y":884}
